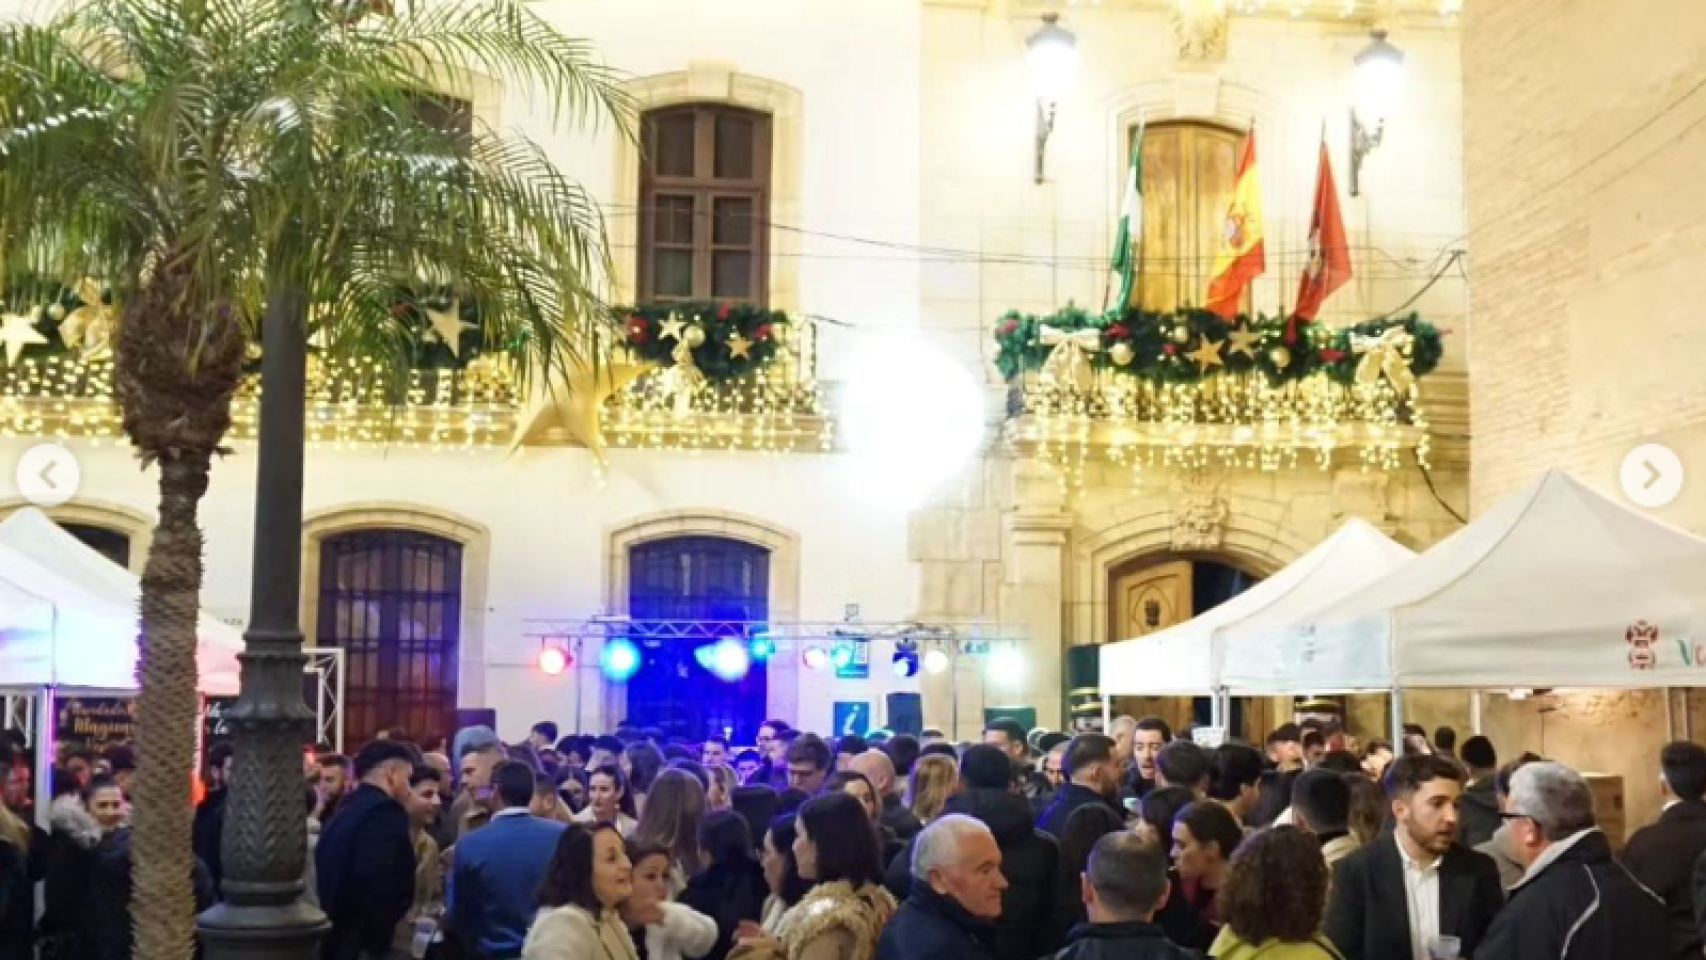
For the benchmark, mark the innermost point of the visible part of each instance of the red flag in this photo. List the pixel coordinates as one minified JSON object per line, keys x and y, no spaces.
{"x":1329,"y":266}
{"x":1240,"y":256}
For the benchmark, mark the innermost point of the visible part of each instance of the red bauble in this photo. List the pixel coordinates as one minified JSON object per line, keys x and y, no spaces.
{"x":1118,"y":331}
{"x":762,"y":333}
{"x":723,"y":310}
{"x":1332,"y":356}
{"x":1008,"y":327}
{"x":1169,"y":349}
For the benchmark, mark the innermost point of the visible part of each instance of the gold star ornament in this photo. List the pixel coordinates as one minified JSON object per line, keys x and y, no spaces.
{"x":448,"y":327}
{"x":570,"y":401}
{"x":1244,"y":340}
{"x":1207,"y":354}
{"x":17,"y":331}
{"x":739,"y":347}
{"x":672,"y":328}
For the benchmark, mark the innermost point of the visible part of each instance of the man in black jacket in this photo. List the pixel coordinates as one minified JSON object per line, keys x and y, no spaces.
{"x":956,"y":895}
{"x":365,"y":862}
{"x":1029,"y":858}
{"x":1093,"y":777}
{"x":1662,"y":855}
{"x":1402,"y":890}
{"x":1124,"y":884}
{"x":1574,"y":902}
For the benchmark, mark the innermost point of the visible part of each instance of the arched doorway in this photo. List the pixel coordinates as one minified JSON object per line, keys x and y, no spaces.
{"x":699,"y":578}
{"x":392,"y":599}
{"x":109,"y":543}
{"x":1149,"y":594}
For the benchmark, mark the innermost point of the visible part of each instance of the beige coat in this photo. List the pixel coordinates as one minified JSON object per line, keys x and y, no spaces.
{"x":835,"y":921}
{"x":570,"y":933}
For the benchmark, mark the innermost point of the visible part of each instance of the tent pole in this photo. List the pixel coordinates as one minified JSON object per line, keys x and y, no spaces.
{"x":1475,"y":711}
{"x":1107,"y":713}
{"x":45,"y":748}
{"x":1397,"y":717}
{"x":1670,"y":715}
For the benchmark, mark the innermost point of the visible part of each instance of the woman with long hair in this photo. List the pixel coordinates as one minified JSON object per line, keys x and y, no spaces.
{"x":934,"y":780}
{"x":731,"y":888}
{"x":720,"y":794}
{"x":608,"y":800}
{"x":1368,"y":808}
{"x":671,"y":821}
{"x":781,"y":873}
{"x":844,"y":913}
{"x":1204,"y":836}
{"x":1273,"y":900}
{"x":585,"y":885}
{"x":641,"y":763}
{"x":668,"y":930}
{"x":17,"y":889}
{"x":859,"y":786}
{"x":1160,"y":806}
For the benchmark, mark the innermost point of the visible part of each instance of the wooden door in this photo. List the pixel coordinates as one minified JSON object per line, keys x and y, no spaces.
{"x":1189,"y":170}
{"x":1144,"y":601}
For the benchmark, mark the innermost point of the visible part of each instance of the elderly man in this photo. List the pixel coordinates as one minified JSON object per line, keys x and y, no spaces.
{"x":956,"y":895}
{"x":1574,"y":902}
{"x":879,"y":769}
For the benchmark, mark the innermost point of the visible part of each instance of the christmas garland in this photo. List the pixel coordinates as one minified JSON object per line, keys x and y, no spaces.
{"x":732,"y":340}
{"x":1192,"y":345}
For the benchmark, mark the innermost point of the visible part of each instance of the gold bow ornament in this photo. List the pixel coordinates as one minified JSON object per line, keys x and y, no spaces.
{"x":89,"y":328}
{"x":684,"y":380}
{"x":1384,"y":354}
{"x":1068,"y":364}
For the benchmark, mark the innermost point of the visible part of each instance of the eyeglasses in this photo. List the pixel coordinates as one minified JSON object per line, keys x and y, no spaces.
{"x":1507,"y":815}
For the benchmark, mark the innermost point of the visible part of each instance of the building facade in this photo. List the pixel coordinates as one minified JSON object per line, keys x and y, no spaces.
{"x":873,"y":167}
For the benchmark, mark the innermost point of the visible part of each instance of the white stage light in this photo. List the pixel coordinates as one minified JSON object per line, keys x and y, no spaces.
{"x":1006,"y":667}
{"x":935,"y":661}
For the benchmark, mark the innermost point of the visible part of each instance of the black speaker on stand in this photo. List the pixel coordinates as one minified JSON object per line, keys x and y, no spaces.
{"x":906,"y":713}
{"x":1084,"y":688}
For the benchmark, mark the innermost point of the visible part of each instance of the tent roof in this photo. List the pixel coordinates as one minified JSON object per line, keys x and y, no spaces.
{"x":1557,"y":586}
{"x":95,"y":602}
{"x":1185,"y":658}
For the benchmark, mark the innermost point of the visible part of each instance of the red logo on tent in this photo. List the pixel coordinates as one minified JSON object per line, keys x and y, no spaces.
{"x":1643,"y":638}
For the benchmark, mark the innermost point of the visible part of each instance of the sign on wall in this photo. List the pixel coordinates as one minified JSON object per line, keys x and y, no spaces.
{"x":852,"y":717}
{"x":90,"y":723}
{"x":858,"y":666}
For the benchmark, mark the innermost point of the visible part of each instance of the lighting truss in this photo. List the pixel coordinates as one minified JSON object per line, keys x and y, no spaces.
{"x":971,"y":637}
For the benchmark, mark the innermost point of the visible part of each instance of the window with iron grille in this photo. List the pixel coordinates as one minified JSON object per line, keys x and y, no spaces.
{"x":705,"y":579}
{"x":704,"y":205}
{"x":392,"y":599}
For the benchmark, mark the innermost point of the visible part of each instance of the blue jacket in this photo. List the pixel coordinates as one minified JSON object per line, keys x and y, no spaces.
{"x":494,"y":886}
{"x":1070,"y":798}
{"x":929,"y":925}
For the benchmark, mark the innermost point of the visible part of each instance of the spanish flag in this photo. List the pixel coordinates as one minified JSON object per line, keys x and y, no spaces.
{"x":1239,"y":257}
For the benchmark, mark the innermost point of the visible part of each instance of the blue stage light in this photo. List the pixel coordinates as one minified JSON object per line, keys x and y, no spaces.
{"x":906,"y":660}
{"x":763,"y":647}
{"x":621,"y":660}
{"x":841,"y":656}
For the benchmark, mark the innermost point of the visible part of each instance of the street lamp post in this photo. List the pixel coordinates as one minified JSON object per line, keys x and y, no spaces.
{"x":1378,"y":81}
{"x":263,"y":916}
{"x":1051,"y":62}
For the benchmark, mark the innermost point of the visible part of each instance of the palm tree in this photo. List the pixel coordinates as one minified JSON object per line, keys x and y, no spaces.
{"x":208,"y":158}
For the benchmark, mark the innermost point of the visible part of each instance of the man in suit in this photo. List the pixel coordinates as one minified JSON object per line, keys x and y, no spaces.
{"x":364,"y":864}
{"x":494,"y":884}
{"x":1093,"y":778}
{"x":1394,"y":895}
{"x":1662,"y":855}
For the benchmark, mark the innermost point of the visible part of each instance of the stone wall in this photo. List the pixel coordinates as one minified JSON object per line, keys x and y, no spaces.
{"x":1585,"y":134}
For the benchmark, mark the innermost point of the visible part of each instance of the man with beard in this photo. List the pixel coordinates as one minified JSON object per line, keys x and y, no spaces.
{"x":1399,"y":893}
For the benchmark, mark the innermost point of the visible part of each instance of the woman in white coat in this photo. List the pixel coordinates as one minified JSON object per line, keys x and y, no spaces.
{"x":587,"y":882}
{"x":671,"y":931}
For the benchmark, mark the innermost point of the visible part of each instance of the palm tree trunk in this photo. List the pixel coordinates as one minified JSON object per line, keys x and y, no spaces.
{"x":162,"y":891}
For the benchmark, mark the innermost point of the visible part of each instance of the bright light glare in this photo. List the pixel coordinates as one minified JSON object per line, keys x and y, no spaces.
{"x":1006,"y":666}
{"x":913,"y":418}
{"x":553,"y":661}
{"x":621,"y":660}
{"x":935,"y":661}
{"x":816,"y":658}
{"x":726,"y":659}
{"x":1378,"y":83}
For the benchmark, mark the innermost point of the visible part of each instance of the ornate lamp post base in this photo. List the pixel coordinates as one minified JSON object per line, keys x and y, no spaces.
{"x":289,"y":931}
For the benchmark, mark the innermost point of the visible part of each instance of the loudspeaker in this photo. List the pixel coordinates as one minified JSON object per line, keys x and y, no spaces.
{"x":906,"y":713}
{"x":1083,"y":688}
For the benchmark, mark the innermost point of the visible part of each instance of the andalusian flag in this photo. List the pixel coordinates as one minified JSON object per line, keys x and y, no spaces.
{"x":1239,"y":257}
{"x":1129,"y":243}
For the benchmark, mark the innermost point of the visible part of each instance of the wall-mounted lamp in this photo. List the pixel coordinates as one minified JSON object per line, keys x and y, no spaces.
{"x":1379,"y":80}
{"x":1051,"y":60}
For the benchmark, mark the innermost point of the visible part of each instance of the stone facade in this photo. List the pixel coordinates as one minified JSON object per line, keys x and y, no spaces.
{"x":1587,"y":223}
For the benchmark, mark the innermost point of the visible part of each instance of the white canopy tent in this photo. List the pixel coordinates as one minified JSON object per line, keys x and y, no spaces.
{"x":1190,"y":658}
{"x":1557,"y":586}
{"x":94,"y":603}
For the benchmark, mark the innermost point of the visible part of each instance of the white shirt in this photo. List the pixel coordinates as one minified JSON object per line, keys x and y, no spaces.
{"x":1421,"y":893}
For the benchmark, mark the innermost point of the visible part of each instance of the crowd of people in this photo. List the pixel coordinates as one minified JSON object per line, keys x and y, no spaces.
{"x":1136,"y":845}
